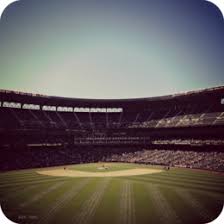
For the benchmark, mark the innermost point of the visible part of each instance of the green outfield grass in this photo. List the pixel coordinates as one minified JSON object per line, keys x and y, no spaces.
{"x":175,"y":196}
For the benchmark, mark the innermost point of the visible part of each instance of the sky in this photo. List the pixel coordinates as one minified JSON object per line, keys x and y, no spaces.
{"x":111,"y":49}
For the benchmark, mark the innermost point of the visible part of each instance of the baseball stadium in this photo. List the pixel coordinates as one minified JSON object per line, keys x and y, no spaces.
{"x":111,"y":112}
{"x":143,"y":160}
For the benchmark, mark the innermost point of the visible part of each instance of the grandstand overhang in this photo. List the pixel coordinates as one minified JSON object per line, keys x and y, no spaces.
{"x":214,"y":95}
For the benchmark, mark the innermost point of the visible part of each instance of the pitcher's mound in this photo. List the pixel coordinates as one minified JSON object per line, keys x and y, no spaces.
{"x":76,"y":173}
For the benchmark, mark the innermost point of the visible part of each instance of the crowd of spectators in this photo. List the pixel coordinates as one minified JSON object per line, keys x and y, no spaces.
{"x":46,"y":156}
{"x":204,"y":142}
{"x":185,"y":120}
{"x":211,"y":160}
{"x":54,"y":156}
{"x":12,"y":118}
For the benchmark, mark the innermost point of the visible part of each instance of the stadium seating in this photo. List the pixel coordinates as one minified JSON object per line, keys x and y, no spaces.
{"x":38,"y":130}
{"x":21,"y":118}
{"x":175,"y":158}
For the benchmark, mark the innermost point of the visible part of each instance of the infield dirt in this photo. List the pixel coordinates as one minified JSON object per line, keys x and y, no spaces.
{"x":77,"y":173}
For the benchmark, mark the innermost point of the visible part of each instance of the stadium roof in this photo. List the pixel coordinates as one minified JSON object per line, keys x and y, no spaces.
{"x":216,"y":93}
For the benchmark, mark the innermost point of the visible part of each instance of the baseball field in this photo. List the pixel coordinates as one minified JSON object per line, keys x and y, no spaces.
{"x":110,"y":193}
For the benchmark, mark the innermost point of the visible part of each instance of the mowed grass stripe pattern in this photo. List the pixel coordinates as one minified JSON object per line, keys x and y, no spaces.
{"x":166,"y":212}
{"x":39,"y":196}
{"x":127,"y":206}
{"x":67,"y":196}
{"x":176,"y":182}
{"x":195,"y":204}
{"x":167,"y":197}
{"x":89,"y":207}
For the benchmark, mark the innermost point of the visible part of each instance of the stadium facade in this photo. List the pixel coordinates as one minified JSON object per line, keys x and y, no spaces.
{"x":38,"y":130}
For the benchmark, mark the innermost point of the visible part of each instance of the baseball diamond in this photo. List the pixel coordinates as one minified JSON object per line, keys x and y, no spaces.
{"x":89,"y":161}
